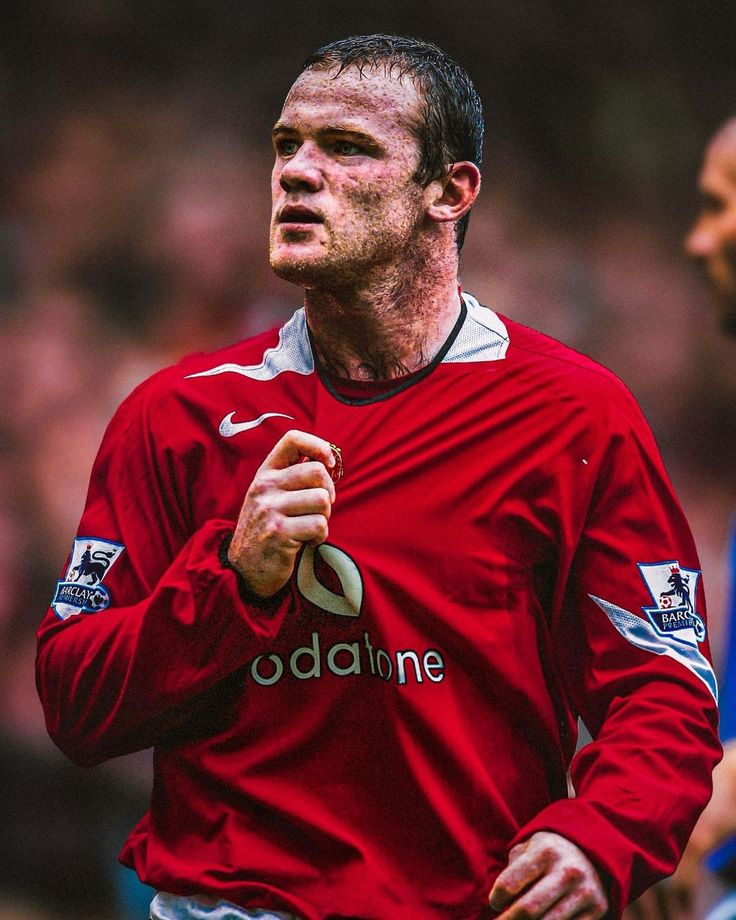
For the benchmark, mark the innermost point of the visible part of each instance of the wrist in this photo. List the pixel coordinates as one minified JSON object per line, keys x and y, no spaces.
{"x":247,"y":594}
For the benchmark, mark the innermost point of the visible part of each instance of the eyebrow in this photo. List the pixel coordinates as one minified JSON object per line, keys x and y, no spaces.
{"x":327,"y":130}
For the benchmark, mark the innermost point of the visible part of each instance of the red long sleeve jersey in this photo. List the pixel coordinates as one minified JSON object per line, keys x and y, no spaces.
{"x":505,"y":553}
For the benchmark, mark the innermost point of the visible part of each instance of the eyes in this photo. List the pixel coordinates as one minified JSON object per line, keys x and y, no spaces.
{"x":287,"y":147}
{"x":346,"y":149}
{"x":711,"y":204}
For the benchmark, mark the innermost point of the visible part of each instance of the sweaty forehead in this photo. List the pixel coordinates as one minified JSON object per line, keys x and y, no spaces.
{"x":354,"y":94}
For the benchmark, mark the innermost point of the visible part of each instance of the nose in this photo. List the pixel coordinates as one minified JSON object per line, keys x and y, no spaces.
{"x":302,"y":171}
{"x":701,"y":242}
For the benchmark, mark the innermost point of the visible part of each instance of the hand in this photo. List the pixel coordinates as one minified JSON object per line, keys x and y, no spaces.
{"x":548,"y":876}
{"x":287,"y":505}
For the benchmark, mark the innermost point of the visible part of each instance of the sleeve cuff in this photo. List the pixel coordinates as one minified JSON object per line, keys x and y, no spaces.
{"x":589,"y":832}
{"x":249,"y":597}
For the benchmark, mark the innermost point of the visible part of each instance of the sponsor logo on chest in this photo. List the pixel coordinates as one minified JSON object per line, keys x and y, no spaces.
{"x":356,"y":656}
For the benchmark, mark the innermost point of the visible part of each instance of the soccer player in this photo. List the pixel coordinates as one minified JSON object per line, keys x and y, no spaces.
{"x":711,"y":242}
{"x":365,"y":573}
{"x":712,"y":239}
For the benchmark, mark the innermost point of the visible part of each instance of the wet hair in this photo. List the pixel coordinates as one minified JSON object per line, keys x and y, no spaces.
{"x":450,"y":128}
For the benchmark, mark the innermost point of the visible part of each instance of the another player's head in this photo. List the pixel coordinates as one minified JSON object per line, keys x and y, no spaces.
{"x":378,"y":149}
{"x":712,"y":239}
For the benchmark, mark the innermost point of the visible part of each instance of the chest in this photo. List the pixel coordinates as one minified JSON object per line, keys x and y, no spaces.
{"x":453,"y":476}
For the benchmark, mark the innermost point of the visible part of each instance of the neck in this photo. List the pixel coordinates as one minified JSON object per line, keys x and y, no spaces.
{"x":385,"y":329}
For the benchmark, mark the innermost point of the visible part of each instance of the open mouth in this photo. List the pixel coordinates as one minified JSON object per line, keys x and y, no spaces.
{"x":294,"y":214}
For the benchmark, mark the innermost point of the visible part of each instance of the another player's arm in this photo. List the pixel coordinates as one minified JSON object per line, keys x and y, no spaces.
{"x":675,"y":895}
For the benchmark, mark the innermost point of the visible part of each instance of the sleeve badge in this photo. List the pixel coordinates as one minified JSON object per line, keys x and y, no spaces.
{"x":81,"y":590}
{"x":673,"y":590}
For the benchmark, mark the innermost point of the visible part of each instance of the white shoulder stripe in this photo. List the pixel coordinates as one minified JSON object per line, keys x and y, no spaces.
{"x":484,"y":336}
{"x":293,"y":353}
{"x":643,"y":635}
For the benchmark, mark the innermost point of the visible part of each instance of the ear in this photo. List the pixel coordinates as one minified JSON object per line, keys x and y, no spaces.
{"x":452,"y":196}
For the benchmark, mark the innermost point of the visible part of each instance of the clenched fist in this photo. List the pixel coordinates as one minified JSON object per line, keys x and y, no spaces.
{"x":287,"y":505}
{"x":548,"y":876}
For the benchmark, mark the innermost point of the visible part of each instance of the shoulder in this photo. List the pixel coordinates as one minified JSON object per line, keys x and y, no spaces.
{"x":172,"y":398}
{"x":536,"y":350}
{"x":564,"y":374}
{"x":180,"y":382}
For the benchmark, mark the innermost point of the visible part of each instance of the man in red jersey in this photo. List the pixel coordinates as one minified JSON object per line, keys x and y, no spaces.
{"x":362,"y":689}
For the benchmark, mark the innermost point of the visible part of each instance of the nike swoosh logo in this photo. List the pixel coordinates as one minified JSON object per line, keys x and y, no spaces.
{"x":228,"y":427}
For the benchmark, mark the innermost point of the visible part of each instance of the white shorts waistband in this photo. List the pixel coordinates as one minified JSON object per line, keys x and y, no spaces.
{"x":175,"y":907}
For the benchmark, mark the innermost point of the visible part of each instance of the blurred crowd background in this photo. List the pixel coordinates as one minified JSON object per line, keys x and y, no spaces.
{"x":134,"y":205}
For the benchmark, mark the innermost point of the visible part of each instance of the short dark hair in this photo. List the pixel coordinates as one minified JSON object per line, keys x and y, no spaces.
{"x":451,"y":126}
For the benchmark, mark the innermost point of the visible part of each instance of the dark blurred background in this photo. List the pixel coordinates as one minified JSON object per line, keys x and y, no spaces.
{"x":134,"y":161}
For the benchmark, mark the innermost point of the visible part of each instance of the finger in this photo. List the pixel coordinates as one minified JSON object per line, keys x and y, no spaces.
{"x":307,"y":528}
{"x":304,"y":501}
{"x":580,"y":904}
{"x":296,"y":444}
{"x":518,"y":875}
{"x":536,"y":901}
{"x":304,"y":476}
{"x":337,"y":470}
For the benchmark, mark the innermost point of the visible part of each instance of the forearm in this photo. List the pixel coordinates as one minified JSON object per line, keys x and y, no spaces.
{"x":122,"y":679}
{"x":640,"y":786}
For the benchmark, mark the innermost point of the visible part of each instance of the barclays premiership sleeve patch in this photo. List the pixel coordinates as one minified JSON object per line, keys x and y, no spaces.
{"x":673,"y":626}
{"x":672,"y":612}
{"x":81,"y":590}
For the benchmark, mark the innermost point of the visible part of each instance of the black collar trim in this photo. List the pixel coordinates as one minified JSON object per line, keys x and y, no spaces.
{"x":402,"y":384}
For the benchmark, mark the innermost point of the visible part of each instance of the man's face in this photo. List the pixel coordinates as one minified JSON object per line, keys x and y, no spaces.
{"x":345,"y":205}
{"x":712,"y":240}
